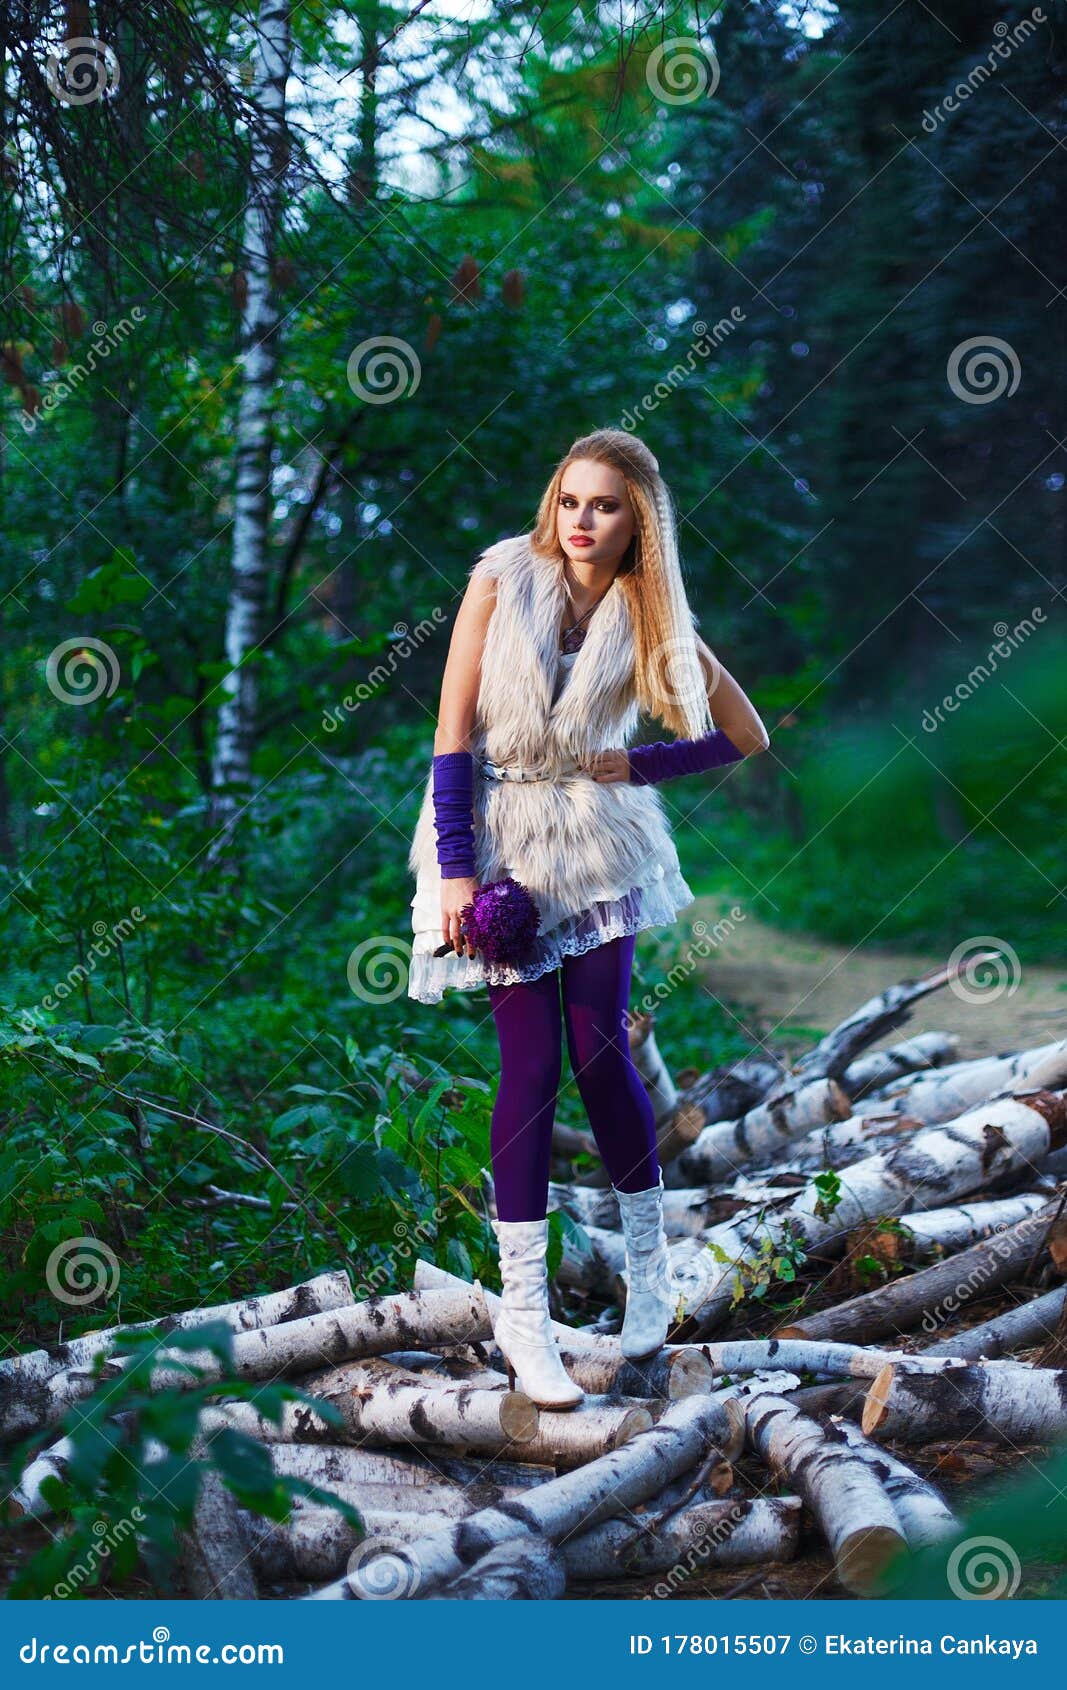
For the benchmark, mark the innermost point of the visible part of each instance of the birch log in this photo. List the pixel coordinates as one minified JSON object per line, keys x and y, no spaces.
{"x":1016,"y":1329}
{"x":1003,"y":1401}
{"x":381,"y":1404}
{"x":211,"y":1553}
{"x":521,"y":1569}
{"x":910,"y":1056}
{"x":365,"y":1329}
{"x":850,"y":1361}
{"x":602,"y":1489}
{"x":959,"y":1087}
{"x":946,"y":1231}
{"x":315,"y":1543}
{"x":924,"y":1514}
{"x":857,"y":1519}
{"x":757,"y":1138}
{"x":934,"y":1294}
{"x":939,"y":1164}
{"x":273,"y":1308}
{"x":732,"y":1532}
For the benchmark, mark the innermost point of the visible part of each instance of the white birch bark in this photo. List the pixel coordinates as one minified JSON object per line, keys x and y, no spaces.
{"x":1016,"y":1329}
{"x":272,"y":1308}
{"x":249,"y":562}
{"x":857,"y":1519}
{"x":726,"y":1147}
{"x":924,"y":1514}
{"x":911,"y":1056}
{"x":939,"y":1164}
{"x":1002,"y":1401}
{"x":731,"y":1532}
{"x":601,"y":1489}
{"x":364,"y":1329}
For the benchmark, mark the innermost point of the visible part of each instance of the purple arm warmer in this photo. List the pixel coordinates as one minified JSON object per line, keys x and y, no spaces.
{"x":453,"y":804}
{"x":650,"y":764}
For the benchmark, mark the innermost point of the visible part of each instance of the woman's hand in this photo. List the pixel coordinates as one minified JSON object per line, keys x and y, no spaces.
{"x":454,"y":895}
{"x":608,"y":765}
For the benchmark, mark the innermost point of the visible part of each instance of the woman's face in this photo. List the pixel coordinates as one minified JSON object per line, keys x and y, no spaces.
{"x":594,"y":503}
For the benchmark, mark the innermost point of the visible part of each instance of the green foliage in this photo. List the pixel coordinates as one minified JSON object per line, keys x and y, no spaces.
{"x":132,"y":1474}
{"x":775,"y":1262}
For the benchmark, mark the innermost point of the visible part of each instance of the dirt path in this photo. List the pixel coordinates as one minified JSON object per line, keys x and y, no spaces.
{"x":779,"y":982}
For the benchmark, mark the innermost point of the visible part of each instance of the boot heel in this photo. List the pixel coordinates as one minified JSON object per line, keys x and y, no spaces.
{"x":511,"y":1375}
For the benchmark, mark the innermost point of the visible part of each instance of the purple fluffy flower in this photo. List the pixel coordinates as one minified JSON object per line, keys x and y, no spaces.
{"x":502,"y":921}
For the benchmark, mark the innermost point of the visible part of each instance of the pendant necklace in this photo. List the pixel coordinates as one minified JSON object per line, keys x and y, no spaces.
{"x":574,"y":636}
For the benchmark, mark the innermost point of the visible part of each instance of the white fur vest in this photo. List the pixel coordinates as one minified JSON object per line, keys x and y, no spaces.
{"x":570,"y":840}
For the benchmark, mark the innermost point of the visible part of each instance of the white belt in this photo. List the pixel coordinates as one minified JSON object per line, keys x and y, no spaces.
{"x":518,"y":771}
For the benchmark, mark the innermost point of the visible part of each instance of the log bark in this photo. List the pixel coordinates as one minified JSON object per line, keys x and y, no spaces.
{"x":938,"y":1165}
{"x":749,"y":1355}
{"x":859,"y":1522}
{"x":272,"y":1308}
{"x":1001,"y":1401}
{"x":911,"y":1056}
{"x":364,"y":1329}
{"x":923,"y":1512}
{"x":211,"y":1553}
{"x":1015,"y":1329}
{"x":963,"y":1085}
{"x":602,"y":1489}
{"x":756,"y":1139}
{"x":381,"y":1404}
{"x":934,"y":1294}
{"x":734,"y":1532}
{"x":524,"y":1569}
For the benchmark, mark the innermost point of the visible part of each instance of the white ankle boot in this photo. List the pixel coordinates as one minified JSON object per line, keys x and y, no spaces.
{"x":522,"y":1327}
{"x":650,"y":1292}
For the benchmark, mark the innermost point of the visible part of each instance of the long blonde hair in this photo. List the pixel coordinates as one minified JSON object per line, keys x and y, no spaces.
{"x":669,"y":680}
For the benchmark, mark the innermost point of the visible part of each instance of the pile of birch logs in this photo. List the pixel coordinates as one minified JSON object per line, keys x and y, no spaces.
{"x":747,"y":1441}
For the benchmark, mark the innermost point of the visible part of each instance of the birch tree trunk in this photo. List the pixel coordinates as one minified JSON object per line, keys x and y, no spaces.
{"x":249,"y":564}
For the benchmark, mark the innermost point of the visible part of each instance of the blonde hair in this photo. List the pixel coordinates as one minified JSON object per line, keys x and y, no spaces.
{"x":668,"y":676}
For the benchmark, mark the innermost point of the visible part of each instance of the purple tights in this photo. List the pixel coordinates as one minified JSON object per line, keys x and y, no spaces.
{"x":529,"y":1024}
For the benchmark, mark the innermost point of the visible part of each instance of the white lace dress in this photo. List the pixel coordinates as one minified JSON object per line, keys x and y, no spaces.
{"x":623,"y":909}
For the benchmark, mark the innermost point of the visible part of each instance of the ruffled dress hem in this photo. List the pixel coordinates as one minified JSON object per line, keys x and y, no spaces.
{"x":653,"y":904}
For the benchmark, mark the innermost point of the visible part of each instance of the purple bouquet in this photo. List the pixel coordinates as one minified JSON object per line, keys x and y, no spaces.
{"x":501,"y":922}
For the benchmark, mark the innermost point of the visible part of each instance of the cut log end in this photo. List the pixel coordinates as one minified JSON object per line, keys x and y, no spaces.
{"x":863,"y":1557}
{"x":874,"y":1407}
{"x":519,"y":1417}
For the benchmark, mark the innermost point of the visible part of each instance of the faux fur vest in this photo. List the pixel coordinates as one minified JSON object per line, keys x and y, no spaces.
{"x":569,"y":840}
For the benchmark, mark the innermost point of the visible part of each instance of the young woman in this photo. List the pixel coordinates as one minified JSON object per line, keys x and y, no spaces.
{"x":564,"y":636}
